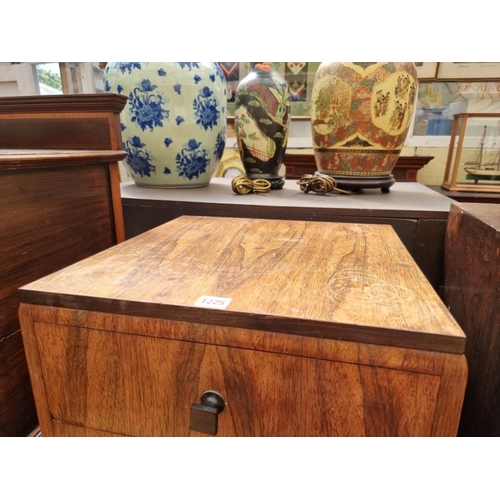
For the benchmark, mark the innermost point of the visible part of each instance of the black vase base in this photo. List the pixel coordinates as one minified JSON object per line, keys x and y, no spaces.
{"x":276,"y":182}
{"x":357,"y":184}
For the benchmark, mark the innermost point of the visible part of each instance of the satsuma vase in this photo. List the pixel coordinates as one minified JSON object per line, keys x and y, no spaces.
{"x":360,"y":116}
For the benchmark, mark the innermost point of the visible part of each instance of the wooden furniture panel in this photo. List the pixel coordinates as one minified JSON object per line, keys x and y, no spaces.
{"x":82,"y":122}
{"x":318,"y":339}
{"x":142,"y":218}
{"x":323,"y":397}
{"x":54,"y":132}
{"x":407,"y":167}
{"x":428,"y":251}
{"x":418,"y":215}
{"x":17,"y":406}
{"x":68,"y":430}
{"x":472,"y":292}
{"x":56,"y":207}
{"x":49,"y":222}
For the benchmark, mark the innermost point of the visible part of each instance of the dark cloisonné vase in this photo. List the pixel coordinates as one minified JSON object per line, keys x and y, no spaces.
{"x":174,"y":123}
{"x":262,"y":122}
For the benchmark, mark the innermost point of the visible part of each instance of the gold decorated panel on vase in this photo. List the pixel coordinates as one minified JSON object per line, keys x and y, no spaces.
{"x":392,"y":103}
{"x":331,"y":104}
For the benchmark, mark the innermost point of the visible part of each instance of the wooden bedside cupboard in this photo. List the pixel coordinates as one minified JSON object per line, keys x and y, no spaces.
{"x":291,"y":328}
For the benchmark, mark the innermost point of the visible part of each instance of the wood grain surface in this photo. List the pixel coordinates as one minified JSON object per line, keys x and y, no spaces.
{"x":65,"y":103}
{"x":346,"y":281}
{"x":417,"y":214}
{"x":120,"y":375}
{"x":59,"y":203}
{"x":29,"y":158}
{"x":472,"y":292}
{"x":49,"y":220}
{"x":17,"y":406}
{"x":40,"y":237}
{"x":84,"y":121}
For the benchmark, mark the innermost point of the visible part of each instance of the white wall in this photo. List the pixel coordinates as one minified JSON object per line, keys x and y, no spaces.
{"x":18,"y":79}
{"x":21,"y":78}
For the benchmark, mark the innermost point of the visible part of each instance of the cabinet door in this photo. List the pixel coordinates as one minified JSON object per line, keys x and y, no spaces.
{"x":143,"y":386}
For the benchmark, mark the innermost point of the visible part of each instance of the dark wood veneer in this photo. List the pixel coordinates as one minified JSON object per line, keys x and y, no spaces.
{"x":84,"y":121}
{"x":67,"y":103}
{"x":50,"y":133}
{"x":59,"y":203}
{"x":472,"y":293}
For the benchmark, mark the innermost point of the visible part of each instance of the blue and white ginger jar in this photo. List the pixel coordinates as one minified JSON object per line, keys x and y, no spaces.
{"x":174,"y":123}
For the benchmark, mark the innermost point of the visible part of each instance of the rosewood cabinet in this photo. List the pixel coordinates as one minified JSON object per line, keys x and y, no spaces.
{"x":59,"y":203}
{"x":302,"y":328}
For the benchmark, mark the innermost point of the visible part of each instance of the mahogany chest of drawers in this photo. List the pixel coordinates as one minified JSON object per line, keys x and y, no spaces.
{"x":244,"y":327}
{"x":59,"y":203}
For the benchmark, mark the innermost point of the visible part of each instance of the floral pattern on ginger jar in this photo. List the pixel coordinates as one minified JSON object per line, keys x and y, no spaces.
{"x":174,"y":123}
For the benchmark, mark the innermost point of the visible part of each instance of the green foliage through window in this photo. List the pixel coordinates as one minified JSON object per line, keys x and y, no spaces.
{"x":50,"y":78}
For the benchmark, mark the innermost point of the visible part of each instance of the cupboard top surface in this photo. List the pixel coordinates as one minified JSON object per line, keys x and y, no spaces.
{"x":63,"y":103}
{"x":336,"y":280}
{"x":40,"y":158}
{"x":485,"y":213}
{"x":406,"y":199}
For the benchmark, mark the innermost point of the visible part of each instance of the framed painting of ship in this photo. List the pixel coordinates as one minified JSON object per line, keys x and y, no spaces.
{"x":473,"y":162}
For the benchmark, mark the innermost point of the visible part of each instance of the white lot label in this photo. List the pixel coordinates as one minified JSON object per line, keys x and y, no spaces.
{"x":212,"y":302}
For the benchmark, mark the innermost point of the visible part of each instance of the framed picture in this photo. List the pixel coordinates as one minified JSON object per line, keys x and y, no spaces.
{"x":468,"y":70}
{"x":426,"y":69}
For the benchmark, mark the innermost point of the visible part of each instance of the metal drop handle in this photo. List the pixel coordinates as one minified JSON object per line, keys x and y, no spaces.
{"x":204,"y":416}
